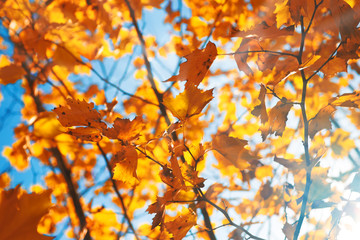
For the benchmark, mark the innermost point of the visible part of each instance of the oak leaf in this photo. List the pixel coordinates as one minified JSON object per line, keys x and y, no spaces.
{"x":126,"y":160}
{"x":196,"y":66}
{"x":21,"y":213}
{"x":188,"y":103}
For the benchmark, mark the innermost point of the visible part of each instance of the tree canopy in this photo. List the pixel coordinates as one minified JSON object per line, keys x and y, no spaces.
{"x":194,"y":119}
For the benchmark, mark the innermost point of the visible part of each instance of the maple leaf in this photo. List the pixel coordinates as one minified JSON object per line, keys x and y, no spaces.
{"x":277,"y":119}
{"x":21,"y":213}
{"x":263,"y":31}
{"x":321,"y":120}
{"x":125,"y":129}
{"x":260,"y":110}
{"x":241,"y":56}
{"x":126,"y":160}
{"x":232,"y":150}
{"x":188,"y":103}
{"x":347,"y":100}
{"x":182,"y":224}
{"x":196,"y":66}
{"x":79,"y":113}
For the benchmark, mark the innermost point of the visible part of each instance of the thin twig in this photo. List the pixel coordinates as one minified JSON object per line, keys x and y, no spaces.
{"x":117,"y":191}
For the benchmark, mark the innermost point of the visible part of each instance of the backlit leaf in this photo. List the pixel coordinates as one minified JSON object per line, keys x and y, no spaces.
{"x":198,"y":63}
{"x":21,"y":213}
{"x":321,"y":120}
{"x":126,"y":160}
{"x":125,"y":129}
{"x":181,"y":225}
{"x":260,"y":110}
{"x":188,"y":103}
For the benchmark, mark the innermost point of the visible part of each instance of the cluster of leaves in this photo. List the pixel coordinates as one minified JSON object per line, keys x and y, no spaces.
{"x":209,"y":149}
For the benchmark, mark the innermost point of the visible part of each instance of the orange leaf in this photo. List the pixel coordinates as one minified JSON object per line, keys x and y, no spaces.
{"x":263,"y":30}
{"x":21,"y":213}
{"x":176,"y":170}
{"x":11,"y":73}
{"x":321,"y":120}
{"x":232,"y":150}
{"x":86,"y":134}
{"x":181,"y":225}
{"x":80,"y":113}
{"x":277,"y":119}
{"x":260,"y":110}
{"x":188,"y":103}
{"x":126,"y":163}
{"x":125,"y":129}
{"x":196,"y":66}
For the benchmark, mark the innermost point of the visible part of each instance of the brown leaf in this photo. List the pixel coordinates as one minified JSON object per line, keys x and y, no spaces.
{"x":321,"y":120}
{"x":231,"y":150}
{"x":181,"y":225}
{"x":79,"y":113}
{"x":277,"y":119}
{"x":260,"y":110}
{"x":241,"y":58}
{"x":266,"y":190}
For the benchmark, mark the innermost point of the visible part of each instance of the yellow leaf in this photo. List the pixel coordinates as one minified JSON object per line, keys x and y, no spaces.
{"x":47,"y":126}
{"x":263,"y":172}
{"x":17,"y":155}
{"x":86,"y":133}
{"x":126,"y":163}
{"x":188,"y":103}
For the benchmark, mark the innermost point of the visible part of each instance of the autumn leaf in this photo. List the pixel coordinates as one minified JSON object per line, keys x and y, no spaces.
{"x":17,"y":154}
{"x":321,"y":120}
{"x":260,"y":110}
{"x":125,"y":129}
{"x":21,"y":213}
{"x":277,"y":119}
{"x":293,"y":164}
{"x":79,"y":113}
{"x":231,"y":150}
{"x":126,"y":160}
{"x":289,"y":230}
{"x":263,"y":31}
{"x":11,"y":73}
{"x":347,"y":100}
{"x":182,"y":224}
{"x":86,"y":133}
{"x":241,"y":56}
{"x":198,"y":63}
{"x":188,"y":103}
{"x":47,"y":126}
